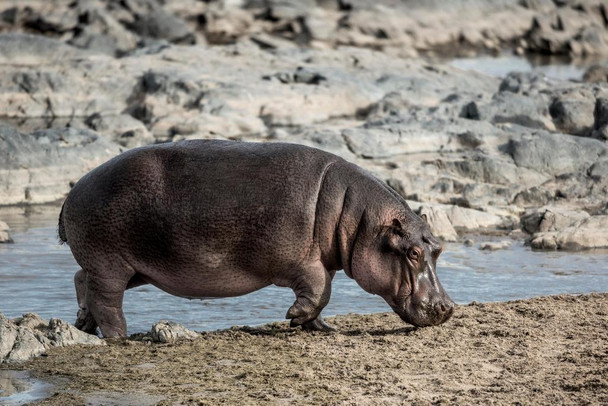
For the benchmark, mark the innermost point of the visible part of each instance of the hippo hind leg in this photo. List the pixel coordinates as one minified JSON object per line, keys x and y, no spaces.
{"x":312,"y":287}
{"x":104,"y":284}
{"x":84,"y":319}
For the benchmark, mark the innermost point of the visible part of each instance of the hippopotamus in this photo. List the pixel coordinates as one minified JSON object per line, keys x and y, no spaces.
{"x":214,"y":218}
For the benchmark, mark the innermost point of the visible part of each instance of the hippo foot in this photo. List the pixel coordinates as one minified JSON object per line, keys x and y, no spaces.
{"x":300,"y":314}
{"x":85,"y":322}
{"x":318,"y":324}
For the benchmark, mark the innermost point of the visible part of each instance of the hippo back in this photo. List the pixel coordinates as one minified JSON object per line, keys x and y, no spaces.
{"x":199,"y":203}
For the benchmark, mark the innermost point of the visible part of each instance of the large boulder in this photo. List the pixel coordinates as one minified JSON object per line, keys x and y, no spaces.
{"x":556,"y":154}
{"x":445,"y":220}
{"x":40,"y":167}
{"x":509,"y":107}
{"x":589,"y":233}
{"x":547,"y":219}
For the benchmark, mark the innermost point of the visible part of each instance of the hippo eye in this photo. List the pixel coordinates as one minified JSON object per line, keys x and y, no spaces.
{"x":414,"y":254}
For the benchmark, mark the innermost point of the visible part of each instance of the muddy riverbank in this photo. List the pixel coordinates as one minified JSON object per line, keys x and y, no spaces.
{"x":548,"y":350}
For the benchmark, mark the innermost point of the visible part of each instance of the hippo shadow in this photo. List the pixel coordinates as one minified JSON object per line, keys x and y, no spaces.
{"x":286,"y":330}
{"x":381,"y":332}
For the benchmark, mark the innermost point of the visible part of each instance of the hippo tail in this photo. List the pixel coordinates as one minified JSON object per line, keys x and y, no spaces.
{"x":61,"y":229}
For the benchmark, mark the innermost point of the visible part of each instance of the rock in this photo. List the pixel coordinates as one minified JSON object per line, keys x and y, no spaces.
{"x":123,"y":129}
{"x":392,"y":103}
{"x":388,"y":141}
{"x":393,"y":136}
{"x":596,"y":74}
{"x":508,"y":107}
{"x":600,"y":113}
{"x":590,"y":233}
{"x":29,"y":336}
{"x":470,"y":219}
{"x":459,"y":217}
{"x":495,"y":246}
{"x":39,"y":167}
{"x":169,"y":332}
{"x":162,"y":25}
{"x":440,"y":224}
{"x":530,"y":83}
{"x":31,"y":321}
{"x":225,"y":26}
{"x":63,"y":334}
{"x":26,"y":49}
{"x":573,"y":112}
{"x":301,"y":75}
{"x":469,"y":242}
{"x":4,"y":233}
{"x":101,"y":30}
{"x":25,"y":346}
{"x":572,"y":30}
{"x":534,"y":196}
{"x":551,"y":219}
{"x":599,"y":170}
{"x":555,"y":154}
{"x":496,"y":170}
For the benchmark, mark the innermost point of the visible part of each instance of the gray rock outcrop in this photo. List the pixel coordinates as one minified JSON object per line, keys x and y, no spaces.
{"x":39,"y":167}
{"x":585,"y":234}
{"x":473,"y":152}
{"x":29,"y":336}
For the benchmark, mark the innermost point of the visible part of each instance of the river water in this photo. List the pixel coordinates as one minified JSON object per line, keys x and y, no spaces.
{"x":36,"y":276}
{"x":501,"y":65}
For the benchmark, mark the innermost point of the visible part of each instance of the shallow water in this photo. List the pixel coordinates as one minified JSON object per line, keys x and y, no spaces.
{"x":500,"y":66}
{"x":36,"y":276}
{"x":19,"y":388}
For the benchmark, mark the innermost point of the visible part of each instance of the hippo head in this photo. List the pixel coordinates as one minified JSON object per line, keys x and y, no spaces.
{"x":396,"y":259}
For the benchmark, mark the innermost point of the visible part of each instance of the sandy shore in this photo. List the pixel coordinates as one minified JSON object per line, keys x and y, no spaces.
{"x":548,"y":350}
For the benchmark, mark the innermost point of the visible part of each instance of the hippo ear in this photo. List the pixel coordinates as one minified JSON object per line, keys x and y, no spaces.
{"x":425,"y":218}
{"x":395,"y":235}
{"x":371,"y":265}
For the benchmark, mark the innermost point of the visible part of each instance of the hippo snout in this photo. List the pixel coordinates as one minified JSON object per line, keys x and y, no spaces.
{"x":444,"y":310}
{"x":427,"y":313}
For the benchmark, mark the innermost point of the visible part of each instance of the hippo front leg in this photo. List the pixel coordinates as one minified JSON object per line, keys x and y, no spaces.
{"x":312,"y":286}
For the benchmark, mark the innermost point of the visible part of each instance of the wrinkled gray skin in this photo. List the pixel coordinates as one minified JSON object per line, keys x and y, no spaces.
{"x":202,"y":219}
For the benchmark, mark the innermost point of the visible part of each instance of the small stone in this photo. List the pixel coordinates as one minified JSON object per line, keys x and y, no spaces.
{"x":495,"y":246}
{"x":469,"y":242}
{"x":4,"y":233}
{"x":169,"y":332}
{"x":573,"y":114}
{"x":596,"y":74}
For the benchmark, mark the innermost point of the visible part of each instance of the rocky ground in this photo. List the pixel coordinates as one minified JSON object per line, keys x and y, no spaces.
{"x":550,"y":350}
{"x":473,"y":152}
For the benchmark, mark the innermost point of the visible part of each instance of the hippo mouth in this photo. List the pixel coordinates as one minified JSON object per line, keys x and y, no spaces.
{"x":425,"y":314}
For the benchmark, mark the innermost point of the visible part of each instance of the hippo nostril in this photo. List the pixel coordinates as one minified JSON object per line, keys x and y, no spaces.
{"x":444,"y":308}
{"x":440,"y":308}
